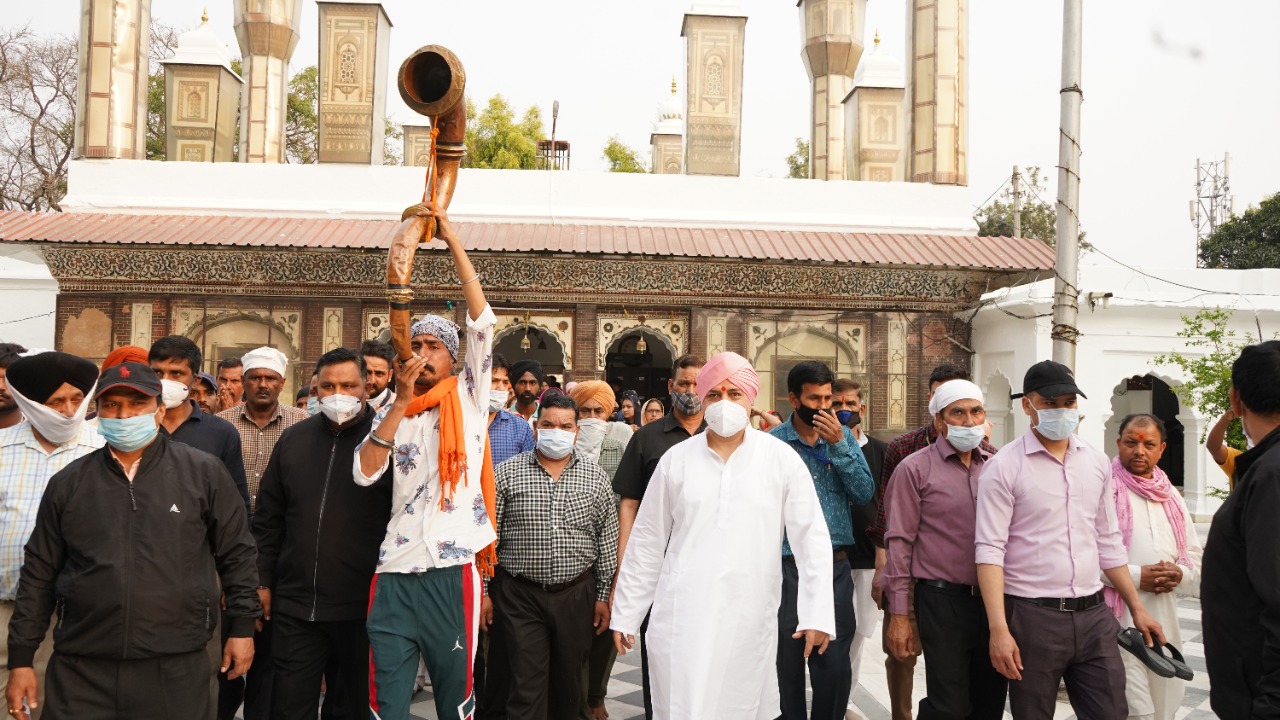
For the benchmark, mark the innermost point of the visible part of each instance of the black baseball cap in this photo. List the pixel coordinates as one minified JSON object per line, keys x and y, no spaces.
{"x":132,"y":375}
{"x":1050,"y":379}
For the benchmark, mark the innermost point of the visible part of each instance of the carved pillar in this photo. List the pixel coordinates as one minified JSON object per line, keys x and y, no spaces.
{"x":201,"y":96}
{"x":111,"y":99}
{"x":713,"y":118}
{"x":832,"y":31}
{"x":939,"y":87}
{"x":268,"y":32}
{"x":355,"y":38}
{"x":667,"y":141}
{"x":875,"y":127}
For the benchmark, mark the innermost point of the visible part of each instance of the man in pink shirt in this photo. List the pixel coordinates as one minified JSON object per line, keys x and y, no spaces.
{"x":1046,"y":525}
{"x":930,"y":544}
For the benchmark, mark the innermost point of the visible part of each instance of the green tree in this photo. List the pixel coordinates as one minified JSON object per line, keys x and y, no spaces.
{"x":392,"y":143}
{"x":1038,"y":215}
{"x":622,"y":158}
{"x":37,"y":118}
{"x":1212,"y":348}
{"x":798,"y":161}
{"x":496,"y":140}
{"x":301,"y":122}
{"x":164,"y":42}
{"x":1247,"y":241}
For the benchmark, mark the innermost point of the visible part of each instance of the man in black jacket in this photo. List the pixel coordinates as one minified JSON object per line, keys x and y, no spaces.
{"x":129,"y":545}
{"x":318,"y":535}
{"x":1240,"y":580}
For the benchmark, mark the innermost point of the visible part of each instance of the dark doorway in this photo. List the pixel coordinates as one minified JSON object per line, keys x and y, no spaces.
{"x":1164,"y":405}
{"x":639,"y":361}
{"x":541,"y":346}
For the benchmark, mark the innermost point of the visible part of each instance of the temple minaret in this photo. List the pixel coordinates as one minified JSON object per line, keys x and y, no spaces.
{"x":832,"y":32}
{"x":201,"y":97}
{"x":355,"y":42}
{"x":268,"y":33}
{"x":715,"y":31}
{"x":876,"y":142}
{"x":665,"y":144}
{"x":938,"y":90}
{"x":111,"y":102}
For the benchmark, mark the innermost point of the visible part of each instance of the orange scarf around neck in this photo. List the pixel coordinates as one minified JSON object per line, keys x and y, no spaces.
{"x":453,"y":457}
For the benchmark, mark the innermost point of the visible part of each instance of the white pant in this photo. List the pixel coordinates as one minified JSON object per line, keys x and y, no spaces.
{"x":866,"y":613}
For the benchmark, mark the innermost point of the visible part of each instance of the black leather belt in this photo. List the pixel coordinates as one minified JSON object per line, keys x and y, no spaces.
{"x":549,"y":587}
{"x":1066,"y":604}
{"x":951,"y":587}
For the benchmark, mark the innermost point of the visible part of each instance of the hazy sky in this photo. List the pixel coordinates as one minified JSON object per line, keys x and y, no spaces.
{"x":1165,"y":82}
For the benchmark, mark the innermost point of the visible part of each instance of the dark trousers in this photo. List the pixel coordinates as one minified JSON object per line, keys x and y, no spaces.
{"x":173,"y":687}
{"x":1079,"y":647}
{"x":961,"y":682}
{"x":829,"y":673}
{"x":254,"y":689}
{"x":644,"y":670}
{"x":304,"y":652}
{"x":595,"y":675}
{"x":548,"y":637}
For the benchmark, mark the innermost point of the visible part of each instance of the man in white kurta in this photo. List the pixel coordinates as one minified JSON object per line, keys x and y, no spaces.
{"x":704,"y":553}
{"x":1164,"y":557}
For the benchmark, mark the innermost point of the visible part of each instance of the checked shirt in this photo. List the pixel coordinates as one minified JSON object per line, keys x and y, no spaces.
{"x":550,"y":531}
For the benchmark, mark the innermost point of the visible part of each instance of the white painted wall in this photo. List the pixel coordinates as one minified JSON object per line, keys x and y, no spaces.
{"x":1120,"y":339}
{"x":28,"y":297}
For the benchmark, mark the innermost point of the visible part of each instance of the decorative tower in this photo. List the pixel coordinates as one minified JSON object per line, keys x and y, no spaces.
{"x":833,"y":31}
{"x":716,"y":30}
{"x":875,"y":134}
{"x":111,"y":99}
{"x":417,"y":145}
{"x":355,"y":38}
{"x":201,"y":96}
{"x":268,"y":33}
{"x":938,"y":89}
{"x":666,"y":149}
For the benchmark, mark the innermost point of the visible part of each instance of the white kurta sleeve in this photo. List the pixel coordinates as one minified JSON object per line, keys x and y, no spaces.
{"x":811,"y":542}
{"x":356,"y":474}
{"x":645,"y":553}
{"x":1190,"y":584}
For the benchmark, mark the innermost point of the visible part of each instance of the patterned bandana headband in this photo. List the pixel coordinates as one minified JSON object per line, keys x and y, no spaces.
{"x":439,"y":327}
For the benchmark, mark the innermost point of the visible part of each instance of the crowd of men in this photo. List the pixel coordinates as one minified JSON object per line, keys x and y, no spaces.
{"x":175,"y":544}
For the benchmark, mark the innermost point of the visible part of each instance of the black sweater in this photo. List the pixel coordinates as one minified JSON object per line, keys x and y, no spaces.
{"x":318,"y":532}
{"x":130,"y":566}
{"x":1240,"y":590}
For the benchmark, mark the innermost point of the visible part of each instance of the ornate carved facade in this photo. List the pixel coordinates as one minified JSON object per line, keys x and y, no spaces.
{"x":355,"y":39}
{"x":713,"y":118}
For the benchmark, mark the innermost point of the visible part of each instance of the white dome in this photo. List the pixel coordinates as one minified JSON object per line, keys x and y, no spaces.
{"x":879,"y":69}
{"x":670,"y":114}
{"x":201,"y":47}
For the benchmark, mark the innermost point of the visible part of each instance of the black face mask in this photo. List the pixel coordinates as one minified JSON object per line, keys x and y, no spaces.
{"x":849,"y":418}
{"x":807,"y":414}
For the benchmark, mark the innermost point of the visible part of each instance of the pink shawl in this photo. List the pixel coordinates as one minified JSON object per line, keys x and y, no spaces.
{"x":1156,"y":489}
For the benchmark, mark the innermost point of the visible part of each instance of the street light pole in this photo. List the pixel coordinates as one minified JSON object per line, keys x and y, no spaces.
{"x":555,"y":114}
{"x":1066,"y":291}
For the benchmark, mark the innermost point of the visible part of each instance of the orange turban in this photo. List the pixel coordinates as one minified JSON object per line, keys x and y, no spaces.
{"x":597,"y":390}
{"x":124,"y":354}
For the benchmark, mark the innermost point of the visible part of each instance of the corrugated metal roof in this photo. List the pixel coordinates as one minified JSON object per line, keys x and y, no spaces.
{"x":994,"y":253}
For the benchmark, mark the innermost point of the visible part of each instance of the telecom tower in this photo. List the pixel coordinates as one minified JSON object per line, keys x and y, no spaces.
{"x":1214,"y":204}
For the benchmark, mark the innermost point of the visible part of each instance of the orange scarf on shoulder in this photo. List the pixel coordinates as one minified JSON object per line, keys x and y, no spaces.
{"x":453,"y":457}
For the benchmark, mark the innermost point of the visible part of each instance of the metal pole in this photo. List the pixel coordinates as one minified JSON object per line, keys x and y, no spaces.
{"x":1017,"y":202}
{"x":555,"y":115}
{"x":1066,"y":293}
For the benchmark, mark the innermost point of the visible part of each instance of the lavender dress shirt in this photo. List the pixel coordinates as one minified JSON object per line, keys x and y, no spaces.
{"x":931,"y":500}
{"x":1050,"y":524}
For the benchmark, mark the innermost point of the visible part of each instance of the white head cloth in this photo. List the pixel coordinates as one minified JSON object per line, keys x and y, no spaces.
{"x":265,"y":357}
{"x":951,"y":391}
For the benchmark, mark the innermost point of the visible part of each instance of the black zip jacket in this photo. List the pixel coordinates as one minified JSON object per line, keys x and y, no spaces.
{"x":1240,"y":590}
{"x":132,"y":568}
{"x":318,"y":532}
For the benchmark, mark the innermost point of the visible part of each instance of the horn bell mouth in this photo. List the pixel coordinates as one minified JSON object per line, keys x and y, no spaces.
{"x":431,"y":80}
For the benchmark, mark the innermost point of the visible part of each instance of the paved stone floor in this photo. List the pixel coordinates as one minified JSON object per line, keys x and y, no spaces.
{"x":872,"y":695}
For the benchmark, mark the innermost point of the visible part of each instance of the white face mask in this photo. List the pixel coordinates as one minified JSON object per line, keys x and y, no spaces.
{"x":965,"y":438}
{"x":51,"y":424}
{"x":340,"y":408}
{"x":173,"y":393}
{"x":591,"y":434}
{"x":555,"y":443}
{"x":497,"y":400}
{"x":1058,"y":423}
{"x":726,"y":418}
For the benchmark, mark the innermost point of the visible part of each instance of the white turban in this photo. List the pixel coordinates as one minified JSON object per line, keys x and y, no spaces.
{"x":951,"y":391}
{"x":265,"y":357}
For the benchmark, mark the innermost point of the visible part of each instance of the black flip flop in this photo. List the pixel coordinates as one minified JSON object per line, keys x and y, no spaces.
{"x":1131,"y":639}
{"x":1180,"y":665}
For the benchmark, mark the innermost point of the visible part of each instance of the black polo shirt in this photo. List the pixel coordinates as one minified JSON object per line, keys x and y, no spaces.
{"x":646,"y":448}
{"x":217,"y":437}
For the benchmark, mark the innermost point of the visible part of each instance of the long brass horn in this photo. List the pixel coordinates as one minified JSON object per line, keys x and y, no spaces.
{"x":431,"y":82}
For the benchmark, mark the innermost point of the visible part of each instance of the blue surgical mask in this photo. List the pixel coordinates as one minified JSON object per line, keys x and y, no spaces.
{"x":965,"y":438}
{"x":129,"y":434}
{"x":313,"y":405}
{"x":555,"y":443}
{"x":1058,"y":423}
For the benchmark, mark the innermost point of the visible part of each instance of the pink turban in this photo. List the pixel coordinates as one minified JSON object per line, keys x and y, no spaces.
{"x":732,"y":368}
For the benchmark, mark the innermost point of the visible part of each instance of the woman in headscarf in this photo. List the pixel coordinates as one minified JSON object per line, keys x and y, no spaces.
{"x":629,"y":409}
{"x":653,"y":410}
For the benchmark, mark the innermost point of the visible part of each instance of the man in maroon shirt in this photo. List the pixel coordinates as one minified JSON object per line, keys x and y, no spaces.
{"x":930,"y":547}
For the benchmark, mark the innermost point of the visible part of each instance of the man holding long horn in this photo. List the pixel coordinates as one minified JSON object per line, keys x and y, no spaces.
{"x":426,"y":596}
